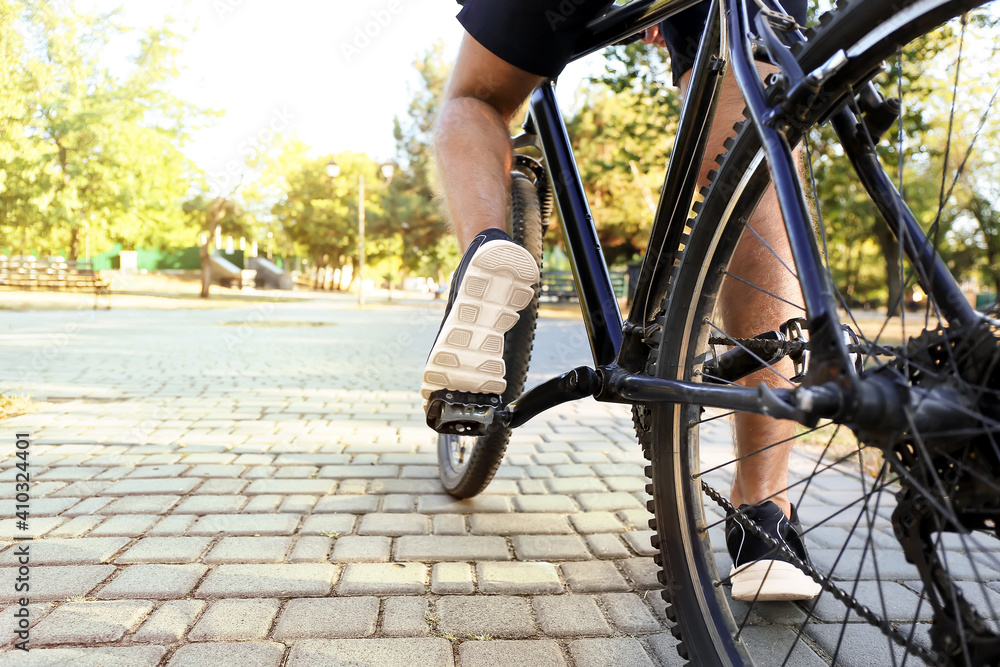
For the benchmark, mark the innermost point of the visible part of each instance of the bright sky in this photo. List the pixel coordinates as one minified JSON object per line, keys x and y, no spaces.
{"x":333,"y":71}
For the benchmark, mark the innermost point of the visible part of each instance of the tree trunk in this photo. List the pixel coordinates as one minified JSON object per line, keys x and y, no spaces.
{"x":890,"y":250}
{"x":206,"y":269}
{"x":74,"y":244}
{"x":213,"y":218}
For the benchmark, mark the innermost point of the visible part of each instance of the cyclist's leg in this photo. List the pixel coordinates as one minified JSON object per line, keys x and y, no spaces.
{"x":472,"y":140}
{"x":748,"y":311}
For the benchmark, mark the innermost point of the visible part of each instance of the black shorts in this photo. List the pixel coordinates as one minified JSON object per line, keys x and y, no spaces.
{"x":540,"y":36}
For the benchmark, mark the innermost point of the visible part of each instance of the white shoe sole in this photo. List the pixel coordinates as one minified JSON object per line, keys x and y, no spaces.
{"x":771,"y":581}
{"x":468,"y":353}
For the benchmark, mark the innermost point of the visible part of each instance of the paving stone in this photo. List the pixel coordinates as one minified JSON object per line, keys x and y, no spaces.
{"x":571,"y":485}
{"x":634,"y":519}
{"x":398,"y":502}
{"x":448,"y":524}
{"x":81,"y":551}
{"x":498,"y":616}
{"x":347,"y":504}
{"x":628,"y":613}
{"x":596,"y":522}
{"x":514,"y":524}
{"x":173,"y":525}
{"x":249,"y":550}
{"x":74,"y":490}
{"x":318,"y":487}
{"x":263,"y":504}
{"x":333,"y":617}
{"x":442,"y":504}
{"x":405,"y":617}
{"x":153,"y":582}
{"x":165,"y":550}
{"x":607,"y":546}
{"x":143,"y":487}
{"x":311,"y":548}
{"x":664,"y":649}
{"x":57,"y":582}
{"x":549,"y":547}
{"x":427,"y":652}
{"x":639,"y":540}
{"x":383,"y":579}
{"x":140,"y":505}
{"x":105,"y":656}
{"x":297,"y":504}
{"x":422,"y":486}
{"x":593,"y":577}
{"x":608,"y":501}
{"x":608,"y":652}
{"x":358,"y":549}
{"x":245,"y":524}
{"x":211,"y":504}
{"x":358,"y":471}
{"x":162,"y":472}
{"x":235,"y":620}
{"x":434,"y":548}
{"x":545,"y":503}
{"x":518,"y":578}
{"x":570,"y":616}
{"x":43,"y":506}
{"x":76,"y":527}
{"x":131,"y":525}
{"x":39,"y":527}
{"x":532,"y":486}
{"x":86,"y":507}
{"x":221,"y":487}
{"x":394,"y":525}
{"x":642,"y":572}
{"x":228,"y":470}
{"x":318,"y":524}
{"x":267,"y":580}
{"x":229,"y":654}
{"x":511,"y":653}
{"x":169,"y":623}
{"x":452,"y":579}
{"x":89,"y":622}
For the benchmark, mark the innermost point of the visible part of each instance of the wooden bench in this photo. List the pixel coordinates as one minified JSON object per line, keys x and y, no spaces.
{"x":55,"y":275}
{"x":559,"y":285}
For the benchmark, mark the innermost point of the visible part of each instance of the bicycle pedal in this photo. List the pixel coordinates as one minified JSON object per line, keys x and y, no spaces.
{"x":460,"y":412}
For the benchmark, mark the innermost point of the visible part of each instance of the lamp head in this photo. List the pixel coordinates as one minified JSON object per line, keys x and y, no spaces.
{"x":332,"y":169}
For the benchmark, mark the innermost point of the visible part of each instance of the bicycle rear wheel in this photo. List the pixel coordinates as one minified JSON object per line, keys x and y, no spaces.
{"x":467,"y":464}
{"x":854,"y":493}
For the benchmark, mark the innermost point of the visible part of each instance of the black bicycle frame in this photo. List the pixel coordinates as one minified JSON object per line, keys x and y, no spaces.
{"x":616,"y":345}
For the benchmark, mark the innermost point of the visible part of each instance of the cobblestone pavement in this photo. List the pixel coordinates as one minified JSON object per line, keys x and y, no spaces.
{"x":255,"y":486}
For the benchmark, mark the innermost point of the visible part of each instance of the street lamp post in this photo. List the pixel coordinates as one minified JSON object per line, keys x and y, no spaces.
{"x":386,"y":171}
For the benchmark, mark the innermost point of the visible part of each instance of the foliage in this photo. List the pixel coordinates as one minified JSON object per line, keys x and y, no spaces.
{"x":87,"y":152}
{"x":622,"y":134}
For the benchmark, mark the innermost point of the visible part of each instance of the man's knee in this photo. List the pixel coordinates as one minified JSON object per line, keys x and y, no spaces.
{"x":483,"y":76}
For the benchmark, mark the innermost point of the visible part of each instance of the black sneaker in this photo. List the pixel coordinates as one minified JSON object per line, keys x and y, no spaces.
{"x":760,"y":572}
{"x":495,"y":281}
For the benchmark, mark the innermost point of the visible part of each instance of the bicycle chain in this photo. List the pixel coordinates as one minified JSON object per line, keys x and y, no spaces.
{"x":840,"y":594}
{"x":764,"y":346}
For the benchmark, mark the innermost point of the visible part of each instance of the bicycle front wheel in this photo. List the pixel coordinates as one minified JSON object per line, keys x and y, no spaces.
{"x":467,"y":464}
{"x":901,"y":527}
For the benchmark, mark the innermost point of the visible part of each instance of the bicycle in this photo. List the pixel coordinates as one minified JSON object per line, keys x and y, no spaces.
{"x":915,"y":489}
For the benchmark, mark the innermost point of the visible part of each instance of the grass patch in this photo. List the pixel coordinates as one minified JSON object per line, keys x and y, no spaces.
{"x":331,"y":534}
{"x":14,"y":405}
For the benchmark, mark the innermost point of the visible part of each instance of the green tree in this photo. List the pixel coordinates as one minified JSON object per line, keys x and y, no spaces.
{"x":622,"y":135}
{"x":88,"y":151}
{"x":424,"y":240}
